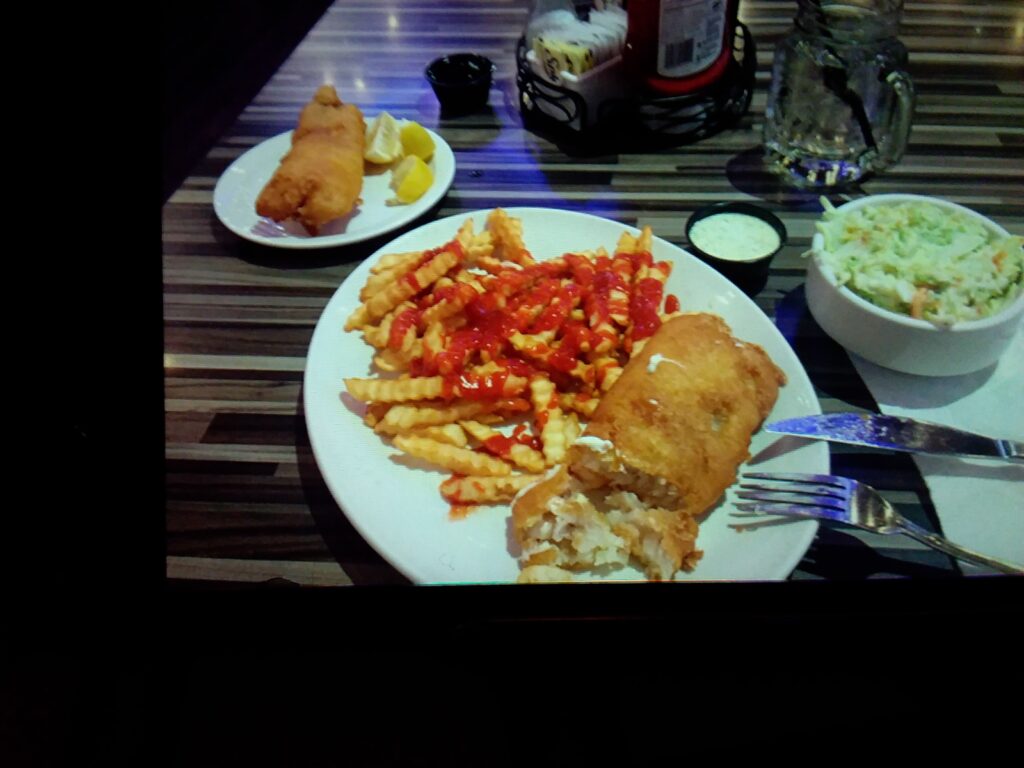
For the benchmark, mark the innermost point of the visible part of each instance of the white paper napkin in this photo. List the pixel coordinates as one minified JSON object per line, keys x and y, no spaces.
{"x":979,"y":502}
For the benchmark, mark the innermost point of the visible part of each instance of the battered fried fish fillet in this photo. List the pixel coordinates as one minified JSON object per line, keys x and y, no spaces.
{"x":321,"y":177}
{"x":661,"y":448}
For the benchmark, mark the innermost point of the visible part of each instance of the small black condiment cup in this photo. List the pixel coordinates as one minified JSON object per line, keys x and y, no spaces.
{"x":461,"y":81}
{"x":749,"y":276}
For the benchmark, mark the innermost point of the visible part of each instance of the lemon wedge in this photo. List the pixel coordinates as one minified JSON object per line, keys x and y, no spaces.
{"x":416,"y":140}
{"x":383,"y":139}
{"x":410,"y":179}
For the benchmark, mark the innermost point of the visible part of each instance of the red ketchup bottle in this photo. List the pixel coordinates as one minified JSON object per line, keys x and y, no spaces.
{"x":679,"y":46}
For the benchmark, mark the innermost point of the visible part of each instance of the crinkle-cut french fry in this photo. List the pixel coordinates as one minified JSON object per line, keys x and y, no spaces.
{"x":389,"y":361}
{"x":643,"y":243}
{"x":444,"y":282}
{"x":450,"y":434}
{"x":494,"y":265}
{"x":607,"y":371}
{"x":464,"y":293}
{"x":396,"y":390}
{"x":432,"y":343}
{"x":618,"y":296}
{"x":542,"y":394}
{"x":550,"y":418}
{"x":374,"y":413}
{"x":572,"y":427}
{"x":395,"y":293}
{"x":460,"y":460}
{"x":392,"y":360}
{"x":377,"y":335}
{"x":402,"y":345}
{"x":464,"y":235}
{"x":536,"y":346}
{"x":607,"y":338}
{"x":480,"y":377}
{"x":626,"y":243}
{"x":657,"y":272}
{"x":660,"y":270}
{"x":467,"y":277}
{"x":378,"y":281}
{"x":585,"y":372}
{"x":359,"y":318}
{"x":636,"y":348}
{"x":511,"y":386}
{"x":526,"y":457}
{"x":402,"y":418}
{"x":519,"y":454}
{"x":481,"y":490}
{"x":491,"y":418}
{"x":392,"y":260}
{"x":411,"y":284}
{"x":476,"y":430}
{"x":481,"y":245}
{"x":585,"y":406}
{"x":508,"y":234}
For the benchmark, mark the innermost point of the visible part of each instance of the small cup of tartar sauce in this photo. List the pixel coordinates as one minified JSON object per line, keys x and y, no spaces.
{"x":737,"y":239}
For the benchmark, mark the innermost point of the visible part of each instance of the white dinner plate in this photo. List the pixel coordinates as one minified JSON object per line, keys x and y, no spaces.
{"x":397,"y":507}
{"x":234,"y":200}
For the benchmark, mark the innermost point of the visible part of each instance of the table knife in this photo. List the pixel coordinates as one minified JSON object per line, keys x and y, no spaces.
{"x":898,"y":434}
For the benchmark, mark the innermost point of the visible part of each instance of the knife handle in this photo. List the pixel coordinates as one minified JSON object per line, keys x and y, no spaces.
{"x":1011,"y":449}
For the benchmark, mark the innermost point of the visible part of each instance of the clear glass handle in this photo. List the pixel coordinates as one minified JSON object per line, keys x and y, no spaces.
{"x":903,"y":116}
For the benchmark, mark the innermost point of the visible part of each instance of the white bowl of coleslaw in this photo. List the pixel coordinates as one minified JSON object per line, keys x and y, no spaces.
{"x":916,"y":283}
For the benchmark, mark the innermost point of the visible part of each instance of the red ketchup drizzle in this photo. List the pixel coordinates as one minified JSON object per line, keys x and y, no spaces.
{"x":583,"y":271}
{"x":458,"y":351}
{"x":410,"y":279}
{"x":477,"y":386}
{"x":499,"y":445}
{"x":566,"y":356}
{"x":438,"y":295}
{"x":460,"y":510}
{"x":552,"y":317}
{"x":643,"y":307}
{"x":486,"y":386}
{"x":520,"y":435}
{"x":599,"y":302}
{"x":410,"y":318}
{"x":639,"y":259}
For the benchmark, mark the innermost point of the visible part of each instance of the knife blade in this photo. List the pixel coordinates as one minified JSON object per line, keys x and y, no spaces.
{"x":896,"y":433}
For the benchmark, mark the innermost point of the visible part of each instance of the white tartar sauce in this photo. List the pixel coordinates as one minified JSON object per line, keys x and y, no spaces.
{"x":734,"y":236}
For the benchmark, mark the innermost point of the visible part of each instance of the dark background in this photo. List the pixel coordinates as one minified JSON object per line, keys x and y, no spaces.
{"x":214,"y":58}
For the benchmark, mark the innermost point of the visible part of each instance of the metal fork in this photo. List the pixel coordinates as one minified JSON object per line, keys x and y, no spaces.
{"x":828,"y":497}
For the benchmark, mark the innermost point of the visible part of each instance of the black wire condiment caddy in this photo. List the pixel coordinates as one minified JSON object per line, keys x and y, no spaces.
{"x":637,"y":119}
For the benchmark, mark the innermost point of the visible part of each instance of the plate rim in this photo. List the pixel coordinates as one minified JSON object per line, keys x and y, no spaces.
{"x":809,"y":527}
{"x":442,"y":184}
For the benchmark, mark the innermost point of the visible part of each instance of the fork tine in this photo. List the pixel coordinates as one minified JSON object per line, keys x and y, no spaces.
{"x":799,"y":499}
{"x":796,"y":477}
{"x":783,"y":487}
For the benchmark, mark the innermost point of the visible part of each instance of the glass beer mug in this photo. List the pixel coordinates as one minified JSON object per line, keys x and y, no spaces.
{"x":840,"y":105}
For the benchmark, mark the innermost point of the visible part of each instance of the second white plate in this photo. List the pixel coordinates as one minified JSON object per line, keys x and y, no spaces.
{"x":234,"y":200}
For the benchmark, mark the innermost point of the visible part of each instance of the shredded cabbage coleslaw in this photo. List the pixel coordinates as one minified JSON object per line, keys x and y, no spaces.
{"x":922,"y":260}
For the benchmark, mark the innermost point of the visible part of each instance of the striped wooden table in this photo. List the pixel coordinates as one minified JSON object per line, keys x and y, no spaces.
{"x":245,"y":501}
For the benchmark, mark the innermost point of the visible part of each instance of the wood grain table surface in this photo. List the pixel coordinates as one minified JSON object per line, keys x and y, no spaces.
{"x":245,"y":501}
